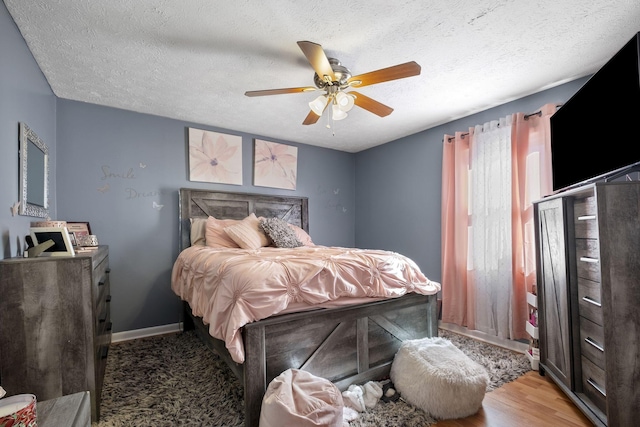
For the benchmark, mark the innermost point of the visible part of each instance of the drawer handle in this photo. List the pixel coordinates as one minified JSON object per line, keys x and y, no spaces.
{"x":595,"y":385}
{"x":588,"y":259}
{"x":586,"y":217}
{"x":591,"y":301}
{"x":108,"y":270}
{"x":101,"y":283}
{"x":108,"y":299}
{"x":590,"y":340}
{"x":105,"y":352}
{"x":103,"y":319}
{"x":109,"y":326}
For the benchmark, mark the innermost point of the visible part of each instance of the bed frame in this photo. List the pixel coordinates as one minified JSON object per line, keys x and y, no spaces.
{"x":346,"y":345}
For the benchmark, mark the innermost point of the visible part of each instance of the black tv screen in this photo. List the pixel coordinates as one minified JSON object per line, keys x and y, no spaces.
{"x":594,"y":135}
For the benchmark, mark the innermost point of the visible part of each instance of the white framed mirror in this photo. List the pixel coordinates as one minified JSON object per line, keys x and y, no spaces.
{"x":34,"y":174}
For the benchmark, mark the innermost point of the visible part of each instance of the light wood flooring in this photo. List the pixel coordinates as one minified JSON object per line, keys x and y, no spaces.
{"x":532,"y":400}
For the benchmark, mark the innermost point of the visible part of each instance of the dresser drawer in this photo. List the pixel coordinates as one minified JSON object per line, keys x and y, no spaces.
{"x":103,"y":317}
{"x":587,"y":248}
{"x":588,"y":259}
{"x":590,"y":300}
{"x":592,"y":342}
{"x":585,"y":220}
{"x":584,"y":206}
{"x":101,"y":280}
{"x":103,"y":297}
{"x":593,"y":384}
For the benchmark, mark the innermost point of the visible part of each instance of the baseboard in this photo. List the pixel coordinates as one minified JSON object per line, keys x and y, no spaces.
{"x":512,"y":345}
{"x":146,"y":332}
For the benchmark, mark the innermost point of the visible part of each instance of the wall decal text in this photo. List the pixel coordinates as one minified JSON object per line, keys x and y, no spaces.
{"x":106,"y":171}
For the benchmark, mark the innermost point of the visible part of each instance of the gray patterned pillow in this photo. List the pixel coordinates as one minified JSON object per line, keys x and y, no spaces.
{"x":280,"y":233}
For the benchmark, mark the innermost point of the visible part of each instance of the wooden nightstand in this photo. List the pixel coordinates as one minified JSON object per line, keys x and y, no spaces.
{"x":72,"y":410}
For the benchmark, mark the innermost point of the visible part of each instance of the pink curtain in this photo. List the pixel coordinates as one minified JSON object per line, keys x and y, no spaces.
{"x":531,"y":180}
{"x":455,"y":222}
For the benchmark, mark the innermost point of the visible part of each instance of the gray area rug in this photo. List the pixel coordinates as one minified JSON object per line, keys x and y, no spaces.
{"x":175,"y":380}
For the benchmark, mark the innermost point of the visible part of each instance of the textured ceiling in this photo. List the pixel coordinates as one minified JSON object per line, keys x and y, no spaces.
{"x":193,"y":60}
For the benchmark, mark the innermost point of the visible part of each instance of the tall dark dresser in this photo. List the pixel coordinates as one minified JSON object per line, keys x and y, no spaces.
{"x":55,"y":325}
{"x":588,"y":260}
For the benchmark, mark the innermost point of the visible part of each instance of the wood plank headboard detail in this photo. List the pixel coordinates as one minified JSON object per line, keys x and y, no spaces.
{"x":195,"y":203}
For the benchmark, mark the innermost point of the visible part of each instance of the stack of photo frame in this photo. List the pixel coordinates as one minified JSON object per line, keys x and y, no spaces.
{"x":68,"y":237}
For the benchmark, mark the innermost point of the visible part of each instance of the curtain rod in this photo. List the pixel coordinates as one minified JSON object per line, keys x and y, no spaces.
{"x":526,"y":117}
{"x":539,"y":112}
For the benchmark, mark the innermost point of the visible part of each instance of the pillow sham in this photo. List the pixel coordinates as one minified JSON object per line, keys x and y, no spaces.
{"x":216,"y":237}
{"x":198,"y":228}
{"x":247,"y":233}
{"x":302,"y":235}
{"x":280,"y":233}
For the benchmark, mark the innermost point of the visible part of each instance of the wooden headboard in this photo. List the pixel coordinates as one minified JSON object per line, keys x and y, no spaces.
{"x":196,"y":203}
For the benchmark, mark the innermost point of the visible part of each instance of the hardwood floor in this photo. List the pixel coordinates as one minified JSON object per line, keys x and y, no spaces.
{"x":532,"y":400}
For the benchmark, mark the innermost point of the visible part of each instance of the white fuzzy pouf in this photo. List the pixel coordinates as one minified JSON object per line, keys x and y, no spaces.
{"x":436,"y":376}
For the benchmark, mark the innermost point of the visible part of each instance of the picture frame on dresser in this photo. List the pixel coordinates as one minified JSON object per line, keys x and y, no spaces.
{"x":79,"y":228}
{"x":72,"y":238}
{"x":62,"y":244}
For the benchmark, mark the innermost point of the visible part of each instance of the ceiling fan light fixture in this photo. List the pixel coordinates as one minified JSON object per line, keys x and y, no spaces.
{"x":318,"y":105}
{"x":337,"y":113}
{"x":345,"y":101}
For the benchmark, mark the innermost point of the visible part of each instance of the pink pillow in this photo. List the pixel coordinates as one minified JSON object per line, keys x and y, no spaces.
{"x":247,"y":233}
{"x":302,"y":235}
{"x":215,"y":235}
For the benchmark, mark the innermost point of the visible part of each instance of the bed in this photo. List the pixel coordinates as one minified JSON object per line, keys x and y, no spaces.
{"x":342,"y":341}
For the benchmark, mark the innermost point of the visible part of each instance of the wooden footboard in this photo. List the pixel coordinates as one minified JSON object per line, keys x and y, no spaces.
{"x":346,"y":345}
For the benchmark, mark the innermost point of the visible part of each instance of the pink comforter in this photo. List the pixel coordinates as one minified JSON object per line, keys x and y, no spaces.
{"x":229,"y":288}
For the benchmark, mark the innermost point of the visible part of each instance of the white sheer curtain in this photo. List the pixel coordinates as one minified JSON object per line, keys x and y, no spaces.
{"x":490,"y":176}
{"x":490,"y":251}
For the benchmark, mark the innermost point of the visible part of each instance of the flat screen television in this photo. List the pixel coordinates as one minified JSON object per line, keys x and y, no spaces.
{"x":594,"y":135}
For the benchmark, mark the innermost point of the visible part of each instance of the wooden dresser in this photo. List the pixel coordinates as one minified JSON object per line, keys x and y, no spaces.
{"x":588,"y":247}
{"x":55,"y":325}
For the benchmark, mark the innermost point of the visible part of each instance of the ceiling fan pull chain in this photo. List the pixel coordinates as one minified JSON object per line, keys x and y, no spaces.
{"x":331,"y":124}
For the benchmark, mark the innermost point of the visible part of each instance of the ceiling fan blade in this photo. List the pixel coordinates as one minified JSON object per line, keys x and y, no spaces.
{"x":311,"y":118}
{"x":371,"y":105}
{"x":280,"y":91}
{"x":395,"y":72}
{"x":318,"y":60}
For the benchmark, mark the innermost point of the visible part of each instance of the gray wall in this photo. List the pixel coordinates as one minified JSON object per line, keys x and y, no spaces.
{"x":114,"y":166}
{"x":398,"y":184}
{"x":25,"y":96}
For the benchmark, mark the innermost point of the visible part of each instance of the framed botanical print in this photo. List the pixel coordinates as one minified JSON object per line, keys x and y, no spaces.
{"x":275,"y":165}
{"x":215,"y":157}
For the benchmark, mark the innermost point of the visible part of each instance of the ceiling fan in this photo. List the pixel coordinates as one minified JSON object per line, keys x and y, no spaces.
{"x":334,"y":78}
